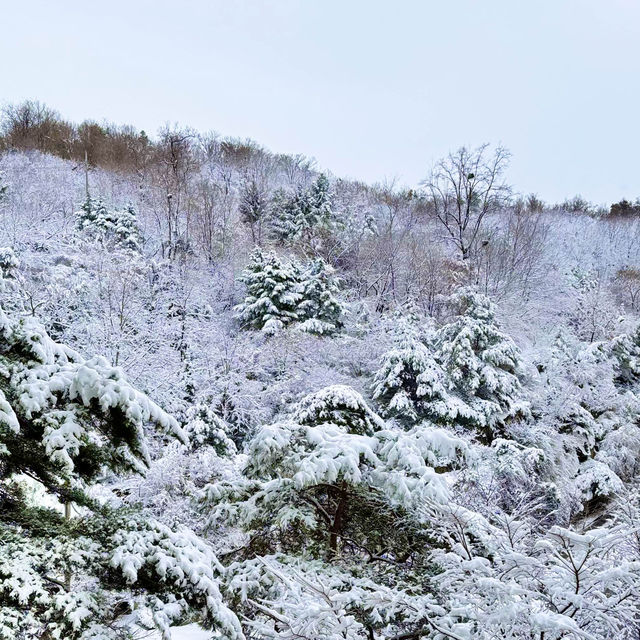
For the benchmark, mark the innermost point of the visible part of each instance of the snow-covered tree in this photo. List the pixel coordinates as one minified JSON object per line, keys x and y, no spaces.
{"x":319,"y":308}
{"x":325,"y":493}
{"x":204,"y":427}
{"x":283,"y":293}
{"x":4,"y":188}
{"x":118,"y":227}
{"x":504,"y":578}
{"x":304,"y":215}
{"x":464,"y":374}
{"x":273,"y":293}
{"x":9,"y":263}
{"x":410,"y":383}
{"x":253,"y":209}
{"x":481,"y":365}
{"x":66,"y":422}
{"x":625,"y":349}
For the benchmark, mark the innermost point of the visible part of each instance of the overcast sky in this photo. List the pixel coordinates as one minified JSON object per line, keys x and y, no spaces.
{"x":372,"y":89}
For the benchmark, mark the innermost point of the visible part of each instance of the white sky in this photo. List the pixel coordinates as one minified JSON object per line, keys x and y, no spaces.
{"x":372,"y":89}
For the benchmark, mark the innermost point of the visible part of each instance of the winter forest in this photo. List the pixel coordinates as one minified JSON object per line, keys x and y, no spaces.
{"x":242,"y":398}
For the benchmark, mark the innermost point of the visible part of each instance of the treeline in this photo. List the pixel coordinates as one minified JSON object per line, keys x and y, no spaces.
{"x":32,"y":125}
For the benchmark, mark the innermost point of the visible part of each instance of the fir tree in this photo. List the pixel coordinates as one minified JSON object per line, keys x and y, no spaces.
{"x":204,"y":427}
{"x":112,"y":227}
{"x":273,"y":293}
{"x":284,"y":214}
{"x":319,"y":308}
{"x":304,"y":215}
{"x":410,"y":383}
{"x":481,"y":365}
{"x":9,"y":263}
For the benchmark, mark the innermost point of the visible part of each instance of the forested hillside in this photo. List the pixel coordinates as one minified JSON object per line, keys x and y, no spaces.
{"x":245,"y":395}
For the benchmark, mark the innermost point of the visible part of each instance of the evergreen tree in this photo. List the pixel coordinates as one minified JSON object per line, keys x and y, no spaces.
{"x":284,"y":214}
{"x":253,"y":208}
{"x":339,"y":405}
{"x":410,"y":383}
{"x":273,"y":293}
{"x":64,"y":423}
{"x":4,"y":188}
{"x":112,"y":227}
{"x":626,"y":351}
{"x":205,"y":428}
{"x":321,"y":201}
{"x":332,"y":496}
{"x":304,"y":215}
{"x":481,"y":366}
{"x":319,"y":308}
{"x":9,"y":263}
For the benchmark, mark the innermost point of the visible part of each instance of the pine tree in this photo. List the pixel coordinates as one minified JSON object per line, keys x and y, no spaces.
{"x":319,"y":308}
{"x":304,"y":215}
{"x":321,"y":201}
{"x":64,"y":423}
{"x":410,"y":383}
{"x":273,"y":293}
{"x":626,"y":351}
{"x":253,"y":209}
{"x":284,"y":214}
{"x":204,"y":427}
{"x":331,"y":495}
{"x":117,"y":228}
{"x":481,"y":366}
{"x":9,"y":263}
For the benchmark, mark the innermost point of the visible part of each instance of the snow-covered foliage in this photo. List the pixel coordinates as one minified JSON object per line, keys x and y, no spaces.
{"x":64,"y":422}
{"x":481,"y":365}
{"x":273,"y":293}
{"x":203,"y":427}
{"x":452,"y":454}
{"x":465,"y":373}
{"x":319,"y":308}
{"x":280,"y":294}
{"x":410,"y":382}
{"x":118,"y":227}
{"x":304,"y":215}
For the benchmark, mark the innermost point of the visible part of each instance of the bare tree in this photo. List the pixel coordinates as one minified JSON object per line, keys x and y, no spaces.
{"x":464,"y":188}
{"x":176,"y":165}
